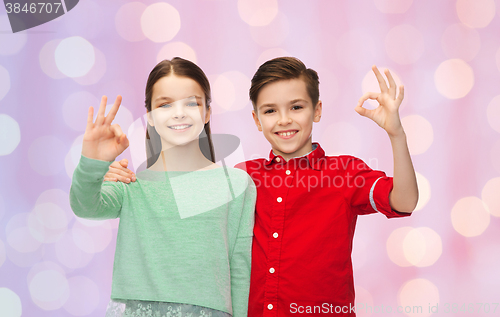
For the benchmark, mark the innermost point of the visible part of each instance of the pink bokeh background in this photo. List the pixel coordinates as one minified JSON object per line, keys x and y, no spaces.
{"x":446,"y":53}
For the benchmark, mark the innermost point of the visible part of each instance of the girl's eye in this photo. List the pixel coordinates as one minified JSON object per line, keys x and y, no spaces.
{"x":166,"y":105}
{"x":193,"y":104}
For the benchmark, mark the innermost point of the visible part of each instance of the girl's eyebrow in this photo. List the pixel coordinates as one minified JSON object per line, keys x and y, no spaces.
{"x":170,"y":99}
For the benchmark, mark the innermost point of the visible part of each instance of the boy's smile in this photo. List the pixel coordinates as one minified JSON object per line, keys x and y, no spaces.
{"x":285,"y":114}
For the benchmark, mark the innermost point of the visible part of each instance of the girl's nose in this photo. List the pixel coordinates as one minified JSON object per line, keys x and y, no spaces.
{"x":179,"y":112}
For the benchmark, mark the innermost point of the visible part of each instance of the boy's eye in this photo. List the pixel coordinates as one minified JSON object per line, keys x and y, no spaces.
{"x":269,"y":111}
{"x":297,"y":107}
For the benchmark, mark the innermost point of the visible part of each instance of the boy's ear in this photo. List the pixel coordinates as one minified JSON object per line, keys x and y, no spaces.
{"x":150,"y":118}
{"x":256,"y":119}
{"x":317,"y":111}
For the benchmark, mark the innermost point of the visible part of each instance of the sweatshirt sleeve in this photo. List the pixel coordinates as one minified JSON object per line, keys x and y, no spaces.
{"x":91,"y":198}
{"x":240,"y":261}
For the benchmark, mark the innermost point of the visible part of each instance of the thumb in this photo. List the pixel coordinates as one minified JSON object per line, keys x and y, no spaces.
{"x":124,"y":162}
{"x":362,"y":111}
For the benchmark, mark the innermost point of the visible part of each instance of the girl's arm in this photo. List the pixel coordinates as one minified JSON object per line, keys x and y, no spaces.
{"x":404,"y":195}
{"x":102,"y":143}
{"x":91,"y":198}
{"x":240,"y":261}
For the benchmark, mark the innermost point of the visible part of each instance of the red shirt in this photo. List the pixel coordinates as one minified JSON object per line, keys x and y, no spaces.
{"x":305,"y":218}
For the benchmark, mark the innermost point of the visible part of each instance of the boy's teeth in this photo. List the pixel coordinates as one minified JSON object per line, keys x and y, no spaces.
{"x":287,"y":133}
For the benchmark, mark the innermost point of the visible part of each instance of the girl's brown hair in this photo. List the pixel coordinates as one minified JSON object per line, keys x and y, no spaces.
{"x":183,"y":68}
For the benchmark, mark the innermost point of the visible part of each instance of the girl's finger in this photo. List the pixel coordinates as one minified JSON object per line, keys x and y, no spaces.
{"x":102,"y":110}
{"x":401,"y":94}
{"x":392,"y":84}
{"x":380,"y":79}
{"x":90,"y":118}
{"x":112,"y":113}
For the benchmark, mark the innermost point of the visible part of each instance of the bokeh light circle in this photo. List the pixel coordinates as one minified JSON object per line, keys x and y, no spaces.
{"x":454,"y":78}
{"x":74,"y":56}
{"x":352,"y":49}
{"x":47,"y":222}
{"x":10,"y":134}
{"x":418,"y":293}
{"x":491,"y":196}
{"x":47,"y":59}
{"x":419,"y":133}
{"x":394,"y":246}
{"x":493,"y":113}
{"x":3,"y":255}
{"x":75,"y":109}
{"x":128,"y":21}
{"x":73,"y":157}
{"x":10,"y":43}
{"x":69,"y":254}
{"x":49,"y":289}
{"x":46,"y":155}
{"x":92,"y":239}
{"x":19,"y":236}
{"x":258,"y":12}
{"x":96,"y":72}
{"x":176,"y":49}
{"x":424,"y":191}
{"x":404,"y":44}
{"x":393,"y":6}
{"x":4,"y":82}
{"x":364,"y":302}
{"x":230,"y":90}
{"x":160,"y":22}
{"x":343,"y":138}
{"x":470,"y":216}
{"x":84,"y":296}
{"x":10,"y":303}
{"x":476,"y":13}
{"x":460,"y":41}
{"x":422,"y":247}
{"x":272,"y":34}
{"x":270,"y":54}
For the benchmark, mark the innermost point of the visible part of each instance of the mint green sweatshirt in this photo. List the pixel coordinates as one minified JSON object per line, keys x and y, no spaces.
{"x":184,"y":237}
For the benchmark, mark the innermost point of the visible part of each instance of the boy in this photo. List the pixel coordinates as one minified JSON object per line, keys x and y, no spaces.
{"x":308,"y":203}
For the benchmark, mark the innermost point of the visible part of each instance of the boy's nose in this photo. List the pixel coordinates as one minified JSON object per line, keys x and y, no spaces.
{"x":284,"y":120}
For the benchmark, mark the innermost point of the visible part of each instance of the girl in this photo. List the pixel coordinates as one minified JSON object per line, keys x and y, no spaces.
{"x":184,"y":240}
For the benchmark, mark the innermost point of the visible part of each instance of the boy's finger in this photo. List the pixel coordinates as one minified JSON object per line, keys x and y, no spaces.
{"x":102,"y":110}
{"x":392,"y":84}
{"x":112,"y":113}
{"x":124,"y":162}
{"x":363,"y":111}
{"x":368,"y":95}
{"x":117,"y":131}
{"x":401,"y":94}
{"x":380,"y":79}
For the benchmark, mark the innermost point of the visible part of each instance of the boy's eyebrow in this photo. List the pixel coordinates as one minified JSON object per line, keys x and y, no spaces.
{"x":268,"y":105}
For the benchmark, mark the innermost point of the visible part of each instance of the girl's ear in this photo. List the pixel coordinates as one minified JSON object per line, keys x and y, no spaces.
{"x":150,"y":118}
{"x":208,"y":114}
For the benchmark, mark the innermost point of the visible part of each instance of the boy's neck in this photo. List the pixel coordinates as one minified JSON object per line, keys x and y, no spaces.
{"x":303,"y":152}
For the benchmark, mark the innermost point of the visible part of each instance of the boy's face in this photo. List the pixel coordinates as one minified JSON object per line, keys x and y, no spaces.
{"x":285,"y":114}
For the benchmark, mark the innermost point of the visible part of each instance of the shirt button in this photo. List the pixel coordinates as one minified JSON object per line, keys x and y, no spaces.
{"x":288,"y":172}
{"x":275,"y":235}
{"x":270,"y":306}
{"x":277,"y":160}
{"x":272,"y":270}
{"x":279,"y":199}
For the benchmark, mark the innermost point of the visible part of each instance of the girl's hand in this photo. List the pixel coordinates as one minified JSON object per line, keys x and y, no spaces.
{"x":118,"y":171}
{"x":103,"y":141}
{"x":386,"y":115}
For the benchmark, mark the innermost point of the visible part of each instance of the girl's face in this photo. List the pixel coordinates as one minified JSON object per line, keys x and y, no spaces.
{"x":178,"y":110}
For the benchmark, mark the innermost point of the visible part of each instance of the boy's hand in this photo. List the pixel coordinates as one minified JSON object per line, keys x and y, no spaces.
{"x":118,"y":171}
{"x":103,"y":141}
{"x":386,"y":115}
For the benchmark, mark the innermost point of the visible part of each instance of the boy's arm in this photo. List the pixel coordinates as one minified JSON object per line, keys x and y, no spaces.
{"x":404,"y":195}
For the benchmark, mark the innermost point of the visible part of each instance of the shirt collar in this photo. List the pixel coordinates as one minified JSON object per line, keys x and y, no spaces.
{"x":315,"y":157}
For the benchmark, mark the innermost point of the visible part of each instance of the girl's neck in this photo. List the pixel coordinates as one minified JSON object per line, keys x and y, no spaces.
{"x":186,"y":157}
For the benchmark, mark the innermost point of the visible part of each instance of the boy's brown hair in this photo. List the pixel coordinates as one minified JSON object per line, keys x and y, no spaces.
{"x":284,"y":68}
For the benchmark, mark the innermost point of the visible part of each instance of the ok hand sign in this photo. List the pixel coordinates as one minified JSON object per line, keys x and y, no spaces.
{"x":103,"y":141}
{"x":386,"y":115}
